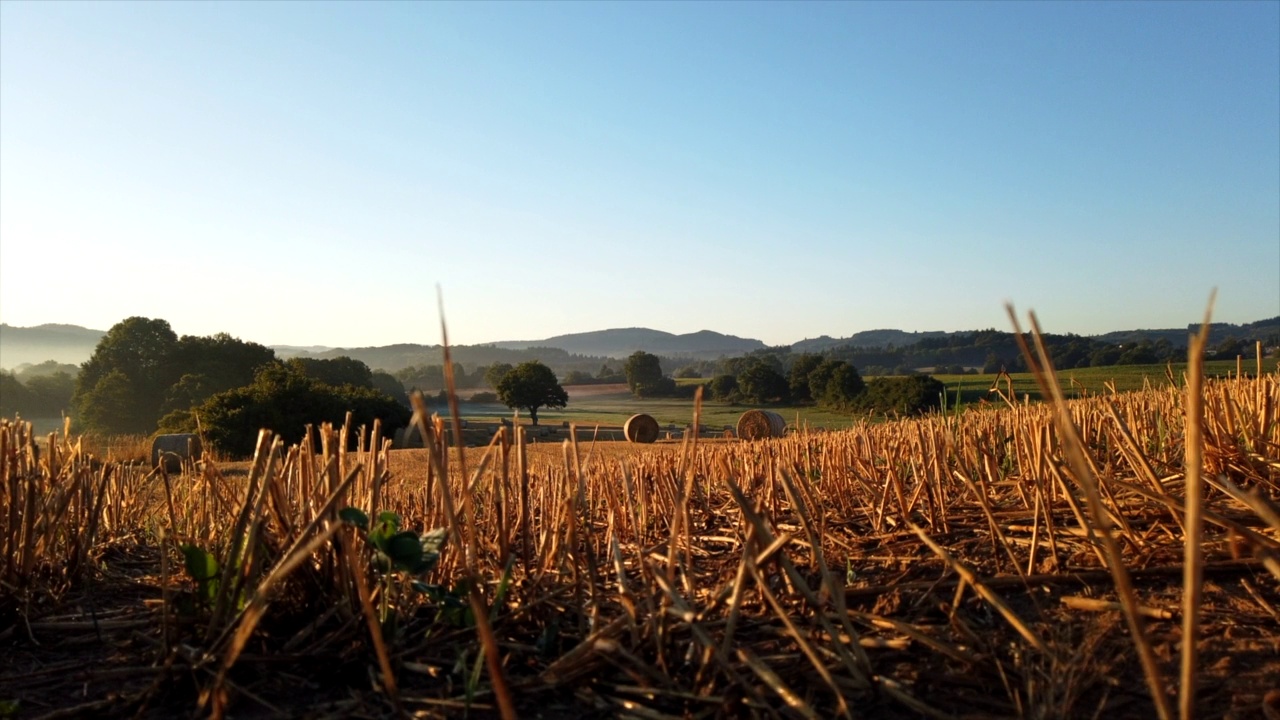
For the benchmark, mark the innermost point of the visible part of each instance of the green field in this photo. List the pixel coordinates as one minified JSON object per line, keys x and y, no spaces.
{"x":1091,"y":381}
{"x":611,"y":408}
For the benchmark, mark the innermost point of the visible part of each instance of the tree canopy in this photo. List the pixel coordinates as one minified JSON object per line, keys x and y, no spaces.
{"x":531,"y":385}
{"x":141,"y":370}
{"x":798,"y":375}
{"x":286,"y":400}
{"x":644,"y":375}
{"x":913,"y":395}
{"x":337,"y":371}
{"x":493,"y":376}
{"x":35,"y":392}
{"x":761,"y":383}
{"x":122,"y":386}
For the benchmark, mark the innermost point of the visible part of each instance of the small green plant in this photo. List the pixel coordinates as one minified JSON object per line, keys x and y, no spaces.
{"x":396,"y":549}
{"x":203,"y":568}
{"x":397,"y":553}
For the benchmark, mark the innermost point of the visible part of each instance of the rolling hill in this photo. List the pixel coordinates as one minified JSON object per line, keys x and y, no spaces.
{"x":74,"y":344}
{"x":32,"y":345}
{"x":621,"y":342}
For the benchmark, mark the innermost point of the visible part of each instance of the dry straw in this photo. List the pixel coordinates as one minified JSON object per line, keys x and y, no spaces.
{"x":641,"y":428}
{"x":761,"y":425}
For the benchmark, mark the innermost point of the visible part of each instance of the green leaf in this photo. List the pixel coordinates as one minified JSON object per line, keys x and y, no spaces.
{"x":387,"y":526}
{"x":405,"y":549}
{"x":425,"y":564}
{"x":354,"y":516}
{"x":9,"y":708}
{"x":201,"y":565}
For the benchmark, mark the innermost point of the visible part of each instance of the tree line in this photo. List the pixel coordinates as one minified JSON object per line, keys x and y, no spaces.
{"x":143,"y":377}
{"x":42,"y":390}
{"x":806,"y":378}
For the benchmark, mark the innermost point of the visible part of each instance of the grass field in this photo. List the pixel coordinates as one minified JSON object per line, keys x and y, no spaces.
{"x":1082,"y":382}
{"x":610,"y":405}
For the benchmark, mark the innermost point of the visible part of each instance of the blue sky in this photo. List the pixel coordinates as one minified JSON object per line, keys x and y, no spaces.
{"x":307,"y":174}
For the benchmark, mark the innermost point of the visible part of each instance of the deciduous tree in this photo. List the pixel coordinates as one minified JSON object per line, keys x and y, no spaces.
{"x":336,"y":372}
{"x":122,"y":387}
{"x":798,"y":376}
{"x":644,"y":375}
{"x":761,"y":383}
{"x":285,"y":400}
{"x":496,"y":372}
{"x":531,"y":385}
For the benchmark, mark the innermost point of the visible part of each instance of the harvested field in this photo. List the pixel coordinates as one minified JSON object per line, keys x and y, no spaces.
{"x":998,"y":563}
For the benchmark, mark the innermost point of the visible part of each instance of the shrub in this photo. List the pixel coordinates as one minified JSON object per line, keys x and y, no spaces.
{"x":578,"y":377}
{"x":760,"y":383}
{"x":286,"y":401}
{"x":911,"y":395}
{"x":724,"y":387}
{"x":844,"y":386}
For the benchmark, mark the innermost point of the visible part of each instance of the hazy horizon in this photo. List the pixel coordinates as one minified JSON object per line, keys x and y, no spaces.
{"x":325,"y":346}
{"x":308,"y":174}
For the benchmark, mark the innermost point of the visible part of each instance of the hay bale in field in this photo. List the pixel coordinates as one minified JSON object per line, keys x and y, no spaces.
{"x":641,"y":428}
{"x":173,"y":449}
{"x":760,"y":424}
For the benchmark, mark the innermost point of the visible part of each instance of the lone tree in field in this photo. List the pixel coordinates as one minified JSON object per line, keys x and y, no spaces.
{"x":531,"y":385}
{"x":644,"y":376}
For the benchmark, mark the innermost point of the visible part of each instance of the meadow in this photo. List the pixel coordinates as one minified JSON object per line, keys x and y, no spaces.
{"x":1018,"y":559}
{"x":610,"y":405}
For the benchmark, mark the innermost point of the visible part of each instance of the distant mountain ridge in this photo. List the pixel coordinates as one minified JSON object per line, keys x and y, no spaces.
{"x":866,"y":339}
{"x":1178,"y":337}
{"x":74,"y":344}
{"x":621,"y":342}
{"x":70,"y":344}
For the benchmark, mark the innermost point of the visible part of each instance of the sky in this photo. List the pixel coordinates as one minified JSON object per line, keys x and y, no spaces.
{"x":320,"y":173}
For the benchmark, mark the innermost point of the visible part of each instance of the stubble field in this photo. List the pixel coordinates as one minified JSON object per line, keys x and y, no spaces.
{"x":1017,"y":560}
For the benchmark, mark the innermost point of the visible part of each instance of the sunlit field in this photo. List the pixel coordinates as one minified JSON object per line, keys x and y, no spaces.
{"x":1018,"y":559}
{"x":610,"y":405}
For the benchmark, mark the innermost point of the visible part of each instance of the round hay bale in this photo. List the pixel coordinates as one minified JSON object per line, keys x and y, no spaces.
{"x":641,"y":429}
{"x":760,"y":424}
